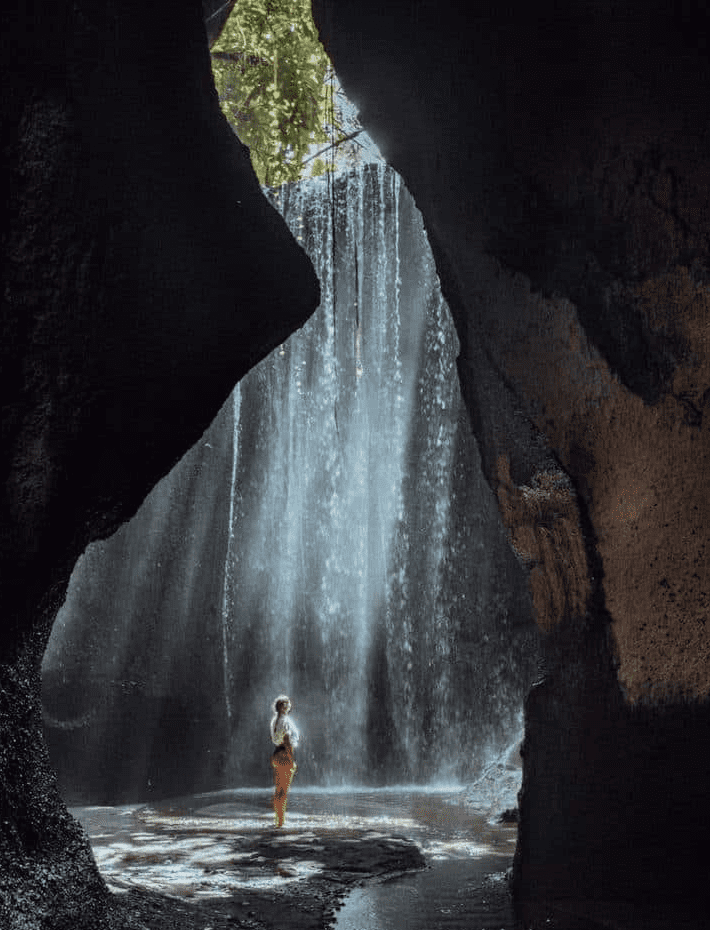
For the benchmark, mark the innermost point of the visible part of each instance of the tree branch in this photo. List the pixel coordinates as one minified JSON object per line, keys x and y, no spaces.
{"x":215,"y":22}
{"x":333,"y":145}
{"x":240,"y":58}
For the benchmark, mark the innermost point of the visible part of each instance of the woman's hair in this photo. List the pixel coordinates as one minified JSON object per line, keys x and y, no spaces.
{"x":281,"y":699}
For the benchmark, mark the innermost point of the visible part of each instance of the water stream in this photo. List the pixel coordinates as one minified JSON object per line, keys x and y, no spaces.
{"x":345,"y":449}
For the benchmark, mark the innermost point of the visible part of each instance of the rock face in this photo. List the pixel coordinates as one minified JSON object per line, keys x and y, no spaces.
{"x":560,"y":160}
{"x":144,"y":274}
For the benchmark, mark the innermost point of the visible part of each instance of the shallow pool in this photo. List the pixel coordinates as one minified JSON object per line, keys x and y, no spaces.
{"x":188,"y":846}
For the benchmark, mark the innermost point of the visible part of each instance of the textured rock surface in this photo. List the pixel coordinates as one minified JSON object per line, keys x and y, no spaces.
{"x":560,"y":159}
{"x":139,"y":285}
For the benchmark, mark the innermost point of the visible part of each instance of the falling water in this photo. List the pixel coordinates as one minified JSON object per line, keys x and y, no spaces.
{"x":345,"y":499}
{"x":229,"y":564}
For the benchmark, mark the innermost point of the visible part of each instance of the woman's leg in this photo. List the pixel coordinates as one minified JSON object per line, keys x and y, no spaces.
{"x":283,"y":775}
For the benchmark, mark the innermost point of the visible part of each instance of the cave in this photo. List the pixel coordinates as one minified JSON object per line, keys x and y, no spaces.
{"x":559,"y":158}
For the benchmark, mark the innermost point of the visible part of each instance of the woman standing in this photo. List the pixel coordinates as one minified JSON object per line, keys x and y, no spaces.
{"x":284,"y":736}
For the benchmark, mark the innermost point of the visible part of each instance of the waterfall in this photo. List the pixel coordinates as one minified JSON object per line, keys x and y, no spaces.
{"x":347,"y":488}
{"x":331,"y":537}
{"x":230,"y":560}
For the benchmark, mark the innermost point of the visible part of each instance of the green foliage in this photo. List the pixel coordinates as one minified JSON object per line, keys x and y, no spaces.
{"x":275,"y":86}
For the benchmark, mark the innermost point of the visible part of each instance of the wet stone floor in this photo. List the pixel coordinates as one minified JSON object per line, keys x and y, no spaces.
{"x":346,"y":859}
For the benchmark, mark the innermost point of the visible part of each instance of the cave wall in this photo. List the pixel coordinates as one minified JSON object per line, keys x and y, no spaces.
{"x":139,"y":260}
{"x":560,"y":159}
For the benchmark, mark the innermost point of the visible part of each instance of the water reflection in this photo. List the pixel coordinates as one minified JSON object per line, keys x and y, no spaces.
{"x":466,"y":894}
{"x":216,"y":844}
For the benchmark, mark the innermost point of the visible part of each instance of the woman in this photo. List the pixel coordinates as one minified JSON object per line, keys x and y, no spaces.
{"x":284,"y":736}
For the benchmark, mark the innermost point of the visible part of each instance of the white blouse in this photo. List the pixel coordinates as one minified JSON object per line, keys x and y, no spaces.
{"x":281,"y":726}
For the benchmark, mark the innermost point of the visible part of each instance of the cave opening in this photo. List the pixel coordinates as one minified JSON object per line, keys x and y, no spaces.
{"x":330,"y":536}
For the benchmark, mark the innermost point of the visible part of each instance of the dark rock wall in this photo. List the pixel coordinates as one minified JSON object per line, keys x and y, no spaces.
{"x":134,"y":218}
{"x":560,"y":158}
{"x":144,"y":274}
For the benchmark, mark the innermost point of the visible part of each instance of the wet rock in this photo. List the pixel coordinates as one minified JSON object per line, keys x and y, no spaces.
{"x":509,"y":815}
